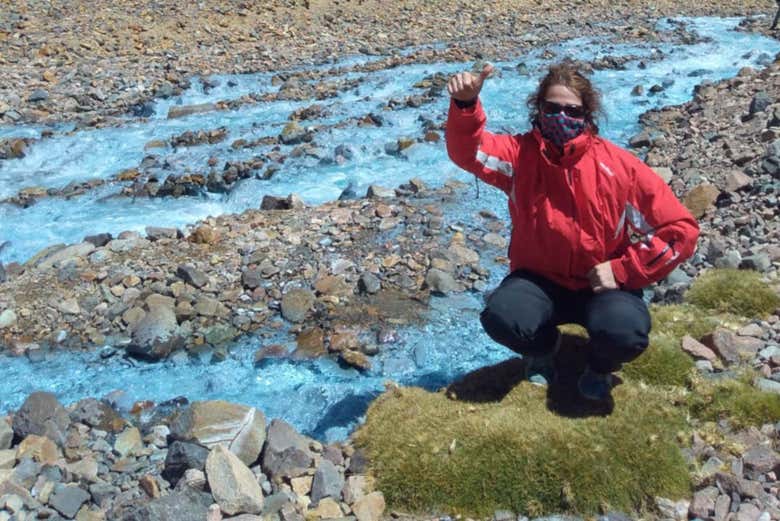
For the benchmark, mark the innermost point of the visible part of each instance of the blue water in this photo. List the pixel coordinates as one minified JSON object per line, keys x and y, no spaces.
{"x":319,"y":397}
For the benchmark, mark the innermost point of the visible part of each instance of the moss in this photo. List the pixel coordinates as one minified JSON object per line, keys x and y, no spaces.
{"x":430,"y":453}
{"x":663,"y":363}
{"x":682,"y":319}
{"x":734,"y":399}
{"x":740,"y":292}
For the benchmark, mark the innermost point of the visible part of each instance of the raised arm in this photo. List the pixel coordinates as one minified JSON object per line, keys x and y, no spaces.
{"x":488,"y":156}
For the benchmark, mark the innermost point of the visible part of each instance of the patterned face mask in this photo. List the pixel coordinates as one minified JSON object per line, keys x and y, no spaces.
{"x":560,"y":128}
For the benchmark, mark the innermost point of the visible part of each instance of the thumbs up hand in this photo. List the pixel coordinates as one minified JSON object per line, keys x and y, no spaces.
{"x":465,"y":86}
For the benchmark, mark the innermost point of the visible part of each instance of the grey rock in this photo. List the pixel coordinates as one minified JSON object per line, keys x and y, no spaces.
{"x":737,"y":180}
{"x":156,"y":335}
{"x":368,"y":283}
{"x":760,"y":460}
{"x":186,"y":110}
{"x":101,"y":492}
{"x":748,"y":512}
{"x":328,"y":482}
{"x":504,"y":515}
{"x":187,"y":505}
{"x":155,"y":233}
{"x":3,"y":276}
{"x":67,"y":499}
{"x":333,"y":454}
{"x":38,"y":95}
{"x":770,"y":386}
{"x":182,"y":456}
{"x":192,"y":276}
{"x":276,"y":502}
{"x":93,"y":413}
{"x":759,"y":262}
{"x":6,"y":435}
{"x":286,"y":452}
{"x":730,"y":259}
{"x":760,"y":102}
{"x":252,"y":278}
{"x":7,"y":318}
{"x":232,"y":484}
{"x":99,"y":240}
{"x":722,"y":507}
{"x":358,"y":463}
{"x":43,"y":415}
{"x":76,"y":250}
{"x":703,"y":504}
{"x":379,"y":192}
{"x":442,"y":282}
{"x":26,"y":472}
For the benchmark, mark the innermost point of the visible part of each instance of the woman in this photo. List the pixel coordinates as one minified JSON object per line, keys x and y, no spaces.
{"x":574,"y":199}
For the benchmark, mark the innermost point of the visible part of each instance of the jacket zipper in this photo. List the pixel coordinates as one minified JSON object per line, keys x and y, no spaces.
{"x":575,"y":228}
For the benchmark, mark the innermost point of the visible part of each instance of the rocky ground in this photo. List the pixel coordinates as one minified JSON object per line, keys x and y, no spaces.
{"x":86,"y":60}
{"x":174,"y":462}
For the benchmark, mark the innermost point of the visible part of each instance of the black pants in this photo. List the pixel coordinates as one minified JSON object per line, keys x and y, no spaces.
{"x":523,"y":312}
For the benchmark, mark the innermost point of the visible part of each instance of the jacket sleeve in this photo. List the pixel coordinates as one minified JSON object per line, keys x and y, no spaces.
{"x":484,"y":154}
{"x":668,"y":230}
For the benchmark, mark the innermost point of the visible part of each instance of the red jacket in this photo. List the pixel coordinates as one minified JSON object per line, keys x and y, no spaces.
{"x":573,"y":210}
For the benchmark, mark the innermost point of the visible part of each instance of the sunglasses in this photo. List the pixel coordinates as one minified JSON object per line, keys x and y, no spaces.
{"x":574,"y":111}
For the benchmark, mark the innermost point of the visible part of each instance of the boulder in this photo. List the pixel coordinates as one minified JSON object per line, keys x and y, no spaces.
{"x":697,"y":350}
{"x":7,"y":318}
{"x":369,"y":507}
{"x":43,"y":415}
{"x":369,"y":283}
{"x":77,"y":250}
{"x":128,"y":442}
{"x":328,"y":482}
{"x":442,"y":282}
{"x":155,"y":233}
{"x":6,"y":435}
{"x":761,"y":460}
{"x":182,"y":456}
{"x":192,"y":276}
{"x":238,"y":427}
{"x":286,"y":453}
{"x":701,"y":198}
{"x":186,"y":505}
{"x":232,"y":484}
{"x":67,"y":499}
{"x":180,"y":111}
{"x":156,"y":335}
{"x":760,"y":102}
{"x":296,"y":304}
{"x":379,"y":192}
{"x":737,"y":180}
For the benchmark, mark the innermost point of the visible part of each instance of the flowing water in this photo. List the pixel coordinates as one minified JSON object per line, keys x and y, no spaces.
{"x":318,"y":397}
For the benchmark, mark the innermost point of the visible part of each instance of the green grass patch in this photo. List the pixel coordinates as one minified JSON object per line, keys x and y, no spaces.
{"x":663,"y":363}
{"x":433,"y":454}
{"x":735,"y":399}
{"x":740,"y":292}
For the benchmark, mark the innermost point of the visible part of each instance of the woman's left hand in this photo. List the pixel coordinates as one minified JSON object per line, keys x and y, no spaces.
{"x":601,"y":277}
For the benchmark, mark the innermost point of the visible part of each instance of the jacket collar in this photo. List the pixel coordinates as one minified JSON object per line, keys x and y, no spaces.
{"x":572,"y":151}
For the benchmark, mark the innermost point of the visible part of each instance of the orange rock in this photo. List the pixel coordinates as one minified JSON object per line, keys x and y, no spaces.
{"x":39,"y":448}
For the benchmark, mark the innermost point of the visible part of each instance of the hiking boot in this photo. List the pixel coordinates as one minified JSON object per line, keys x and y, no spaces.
{"x":595,"y":386}
{"x":540,"y":370}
